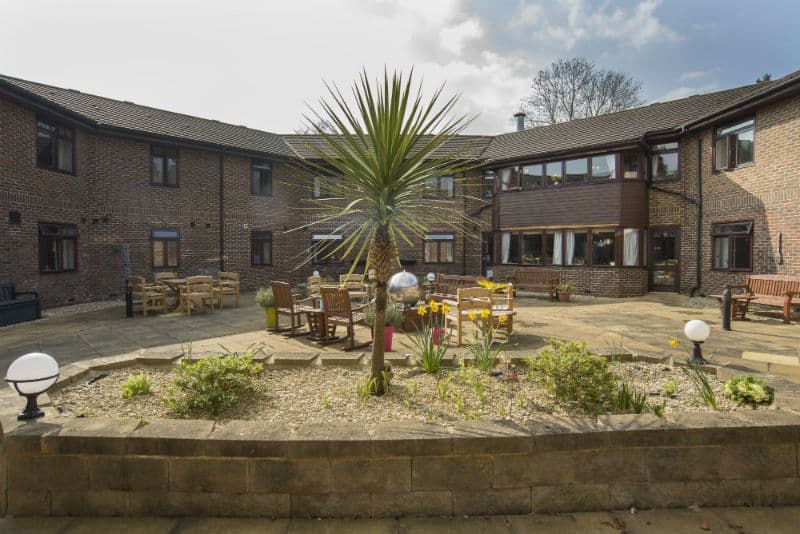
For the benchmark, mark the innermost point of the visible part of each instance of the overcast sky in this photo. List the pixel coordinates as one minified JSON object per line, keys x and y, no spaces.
{"x":257,"y":63}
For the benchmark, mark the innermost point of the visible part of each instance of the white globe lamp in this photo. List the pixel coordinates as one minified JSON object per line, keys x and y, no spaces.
{"x":697,"y":331}
{"x":30,"y":376}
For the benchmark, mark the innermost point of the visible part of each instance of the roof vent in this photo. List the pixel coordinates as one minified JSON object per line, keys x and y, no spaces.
{"x":520,"y":117}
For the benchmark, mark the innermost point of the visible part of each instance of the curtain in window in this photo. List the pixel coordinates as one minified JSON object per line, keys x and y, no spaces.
{"x":505,"y":245}
{"x":557,"y":249}
{"x":570,"y":246}
{"x":505,"y":178}
{"x":631,"y":247}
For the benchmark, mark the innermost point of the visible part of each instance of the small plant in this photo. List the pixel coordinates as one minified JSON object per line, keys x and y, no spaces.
{"x":747,"y":390}
{"x":630,"y":399}
{"x":429,"y":353}
{"x":265,"y":298}
{"x":394,"y":316}
{"x":484,"y":349}
{"x":213,"y":384}
{"x":443,"y":386}
{"x":658,"y":409}
{"x":326,"y":401}
{"x":136,"y":385}
{"x":501,"y":411}
{"x":573,"y":375}
{"x":670,"y":387}
{"x":565,"y":287}
{"x":364,"y":386}
{"x":701,"y":384}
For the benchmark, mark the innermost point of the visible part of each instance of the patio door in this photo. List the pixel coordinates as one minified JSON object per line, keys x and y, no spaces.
{"x":664,"y":259}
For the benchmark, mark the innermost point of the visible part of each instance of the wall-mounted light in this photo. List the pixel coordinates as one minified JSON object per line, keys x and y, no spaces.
{"x":30,"y":376}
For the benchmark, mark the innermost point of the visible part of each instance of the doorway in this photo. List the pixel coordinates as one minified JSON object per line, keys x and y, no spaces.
{"x":664,"y":259}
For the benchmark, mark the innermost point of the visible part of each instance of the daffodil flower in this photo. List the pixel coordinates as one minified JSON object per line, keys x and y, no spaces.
{"x":445,"y":309}
{"x":484,"y":313}
{"x":472,"y":316}
{"x":503,"y":319}
{"x":673,"y":342}
{"x":421,"y":311}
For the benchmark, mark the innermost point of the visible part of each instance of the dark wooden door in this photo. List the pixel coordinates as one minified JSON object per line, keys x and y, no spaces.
{"x":664,"y":259}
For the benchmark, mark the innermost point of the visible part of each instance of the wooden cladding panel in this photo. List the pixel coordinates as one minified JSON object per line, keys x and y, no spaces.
{"x":613,"y":203}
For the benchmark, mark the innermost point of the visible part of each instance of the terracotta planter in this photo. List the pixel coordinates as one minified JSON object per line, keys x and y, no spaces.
{"x":388,"y":333}
{"x":563,"y":297}
{"x":272,"y":318}
{"x":438,"y":335}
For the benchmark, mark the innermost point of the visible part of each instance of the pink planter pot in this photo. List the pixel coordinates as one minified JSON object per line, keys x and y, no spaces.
{"x":438,"y":335}
{"x":388,"y":333}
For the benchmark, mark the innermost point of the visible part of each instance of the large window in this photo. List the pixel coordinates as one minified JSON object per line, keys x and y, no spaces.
{"x":630,"y":166}
{"x":165,"y":245}
{"x":509,"y":178}
{"x":532,"y":249}
{"x":57,"y":247}
{"x":55,"y":146}
{"x":439,"y":187}
{"x":439,"y":248}
{"x":323,"y":247}
{"x":733,"y":246}
{"x":576,"y":247}
{"x":261,"y":178}
{"x":532,"y":176}
{"x":733,"y":145}
{"x":509,"y":247}
{"x":554,"y":173}
{"x":261,"y":248}
{"x":164,"y":166}
{"x":577,"y":171}
{"x":603,"y":249}
{"x":664,"y":163}
{"x":327,"y":186}
{"x":488,"y":183}
{"x":604,"y":168}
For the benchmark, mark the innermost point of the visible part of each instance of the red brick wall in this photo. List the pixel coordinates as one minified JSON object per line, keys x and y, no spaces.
{"x":595,"y":281}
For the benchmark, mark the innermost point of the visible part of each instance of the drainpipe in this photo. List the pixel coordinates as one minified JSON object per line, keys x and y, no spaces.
{"x":464,"y":234}
{"x":698,"y":195}
{"x":222,"y":209}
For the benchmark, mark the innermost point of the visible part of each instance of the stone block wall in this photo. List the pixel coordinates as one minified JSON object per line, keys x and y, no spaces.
{"x":183,"y":467}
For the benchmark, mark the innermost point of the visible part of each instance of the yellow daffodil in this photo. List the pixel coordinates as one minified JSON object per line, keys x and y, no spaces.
{"x":472,"y":316}
{"x":503,"y":319}
{"x":421,"y":311}
{"x":445,"y":309}
{"x":484,"y":313}
{"x":673,"y":342}
{"x":434,"y":306}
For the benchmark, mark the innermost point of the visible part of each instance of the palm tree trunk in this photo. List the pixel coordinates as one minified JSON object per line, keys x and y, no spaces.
{"x":382,"y":254}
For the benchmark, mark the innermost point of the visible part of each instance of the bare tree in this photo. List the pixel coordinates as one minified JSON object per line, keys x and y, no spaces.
{"x":764,"y":78}
{"x":319,"y":125}
{"x":575,"y":88}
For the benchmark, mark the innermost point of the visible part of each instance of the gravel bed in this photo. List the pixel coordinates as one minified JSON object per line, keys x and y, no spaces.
{"x":328,"y":394}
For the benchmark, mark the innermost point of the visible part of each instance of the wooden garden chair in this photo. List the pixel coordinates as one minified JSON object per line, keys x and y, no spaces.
{"x":200,"y":290}
{"x":148,"y":296}
{"x":503,"y":306}
{"x":355,"y":286}
{"x":313,"y":284}
{"x":339,"y":312}
{"x":290,"y":305}
{"x":227,"y":284}
{"x":468,"y":299}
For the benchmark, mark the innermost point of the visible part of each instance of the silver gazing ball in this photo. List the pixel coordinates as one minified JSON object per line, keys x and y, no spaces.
{"x":404,"y":287}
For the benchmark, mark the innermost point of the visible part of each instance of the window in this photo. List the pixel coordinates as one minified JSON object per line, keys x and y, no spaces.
{"x":733,"y":246}
{"x":576,"y":247}
{"x":439,"y":248}
{"x":488,"y":183}
{"x":630,"y":166}
{"x":531,"y":249}
{"x":439,"y":187}
{"x":54,"y":146}
{"x":509,"y":178}
{"x":327,"y":186}
{"x":630,"y":247}
{"x":509,"y":247}
{"x":603,"y":248}
{"x":261,"y":248}
{"x":665,"y":162}
{"x":532,"y":176}
{"x":57,"y":250}
{"x":261,"y":178}
{"x":733,"y":145}
{"x":554,"y":173}
{"x":553,"y":248}
{"x":577,"y":171}
{"x":164,"y":166}
{"x":165,"y":248}
{"x":323,"y":247}
{"x":604,"y":167}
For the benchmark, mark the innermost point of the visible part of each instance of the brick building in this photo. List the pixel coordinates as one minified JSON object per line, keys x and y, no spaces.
{"x":678,"y":196}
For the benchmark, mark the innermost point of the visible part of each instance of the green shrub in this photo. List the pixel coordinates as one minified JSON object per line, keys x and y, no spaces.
{"x":747,"y":390}
{"x":670,"y":387}
{"x":212,"y":385}
{"x":136,"y":385}
{"x":393,"y":317}
{"x":575,"y":376}
{"x":265,"y":298}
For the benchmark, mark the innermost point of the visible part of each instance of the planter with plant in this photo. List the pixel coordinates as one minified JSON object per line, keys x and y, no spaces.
{"x":432,"y":339}
{"x":393,"y":318}
{"x":564,"y":290}
{"x":266,"y":300}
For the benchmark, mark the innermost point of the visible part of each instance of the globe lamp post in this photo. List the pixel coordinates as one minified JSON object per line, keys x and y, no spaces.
{"x":30,"y":376}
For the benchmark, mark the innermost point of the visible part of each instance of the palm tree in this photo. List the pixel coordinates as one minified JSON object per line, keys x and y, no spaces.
{"x":387,"y":144}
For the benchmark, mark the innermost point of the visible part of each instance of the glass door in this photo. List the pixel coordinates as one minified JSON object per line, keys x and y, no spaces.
{"x":664,"y":259}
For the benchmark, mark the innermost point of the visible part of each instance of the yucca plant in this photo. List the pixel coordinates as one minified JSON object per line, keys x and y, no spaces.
{"x":389,"y":141}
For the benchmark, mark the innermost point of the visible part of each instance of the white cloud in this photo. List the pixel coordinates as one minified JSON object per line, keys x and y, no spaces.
{"x":571,"y":22}
{"x":697,"y":74}
{"x":454,"y":38}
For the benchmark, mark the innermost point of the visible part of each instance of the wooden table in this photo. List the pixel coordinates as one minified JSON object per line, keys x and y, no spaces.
{"x":318,"y":328}
{"x":175,"y":285}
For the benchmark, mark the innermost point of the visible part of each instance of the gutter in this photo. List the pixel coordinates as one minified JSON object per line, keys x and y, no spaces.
{"x":698,"y":218}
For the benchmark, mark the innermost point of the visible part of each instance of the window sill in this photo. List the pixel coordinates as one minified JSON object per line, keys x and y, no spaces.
{"x":166,"y":186}
{"x":48,"y":273}
{"x":261,"y":195}
{"x":732,"y":169}
{"x":261,"y":265}
{"x":59,"y":171}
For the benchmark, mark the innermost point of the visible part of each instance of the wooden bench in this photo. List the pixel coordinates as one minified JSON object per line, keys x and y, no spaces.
{"x":447,"y":285}
{"x":536,"y":279}
{"x":772,"y":290}
{"x":16,"y":307}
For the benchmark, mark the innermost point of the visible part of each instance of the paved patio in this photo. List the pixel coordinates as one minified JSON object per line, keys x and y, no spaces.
{"x":643,"y":325}
{"x":734,"y":520}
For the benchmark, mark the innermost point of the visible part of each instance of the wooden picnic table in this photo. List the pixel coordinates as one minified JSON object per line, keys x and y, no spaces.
{"x":175,"y":285}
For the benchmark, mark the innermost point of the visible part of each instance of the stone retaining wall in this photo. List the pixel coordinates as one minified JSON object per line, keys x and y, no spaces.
{"x":97,"y":466}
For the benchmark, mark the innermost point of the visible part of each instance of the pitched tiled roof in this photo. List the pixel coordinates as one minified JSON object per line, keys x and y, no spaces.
{"x":623,"y":127}
{"x":461,"y":146}
{"x":107,"y":112}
